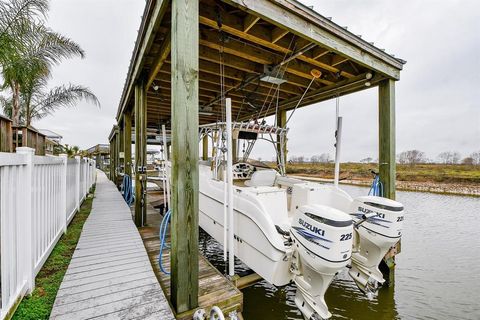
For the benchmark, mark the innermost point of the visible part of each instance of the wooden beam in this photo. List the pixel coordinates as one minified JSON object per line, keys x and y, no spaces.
{"x":160,"y":59}
{"x":386,"y":155}
{"x":278,"y":33}
{"x":318,"y":52}
{"x":207,"y":95}
{"x":143,"y":44}
{"x":328,"y":91}
{"x":338,"y":59}
{"x":288,"y":15}
{"x":127,"y":138}
{"x":261,"y":56}
{"x":210,"y":90}
{"x":249,"y":22}
{"x":209,"y":72}
{"x":184,"y":233}
{"x":232,"y":25}
{"x":140,"y":154}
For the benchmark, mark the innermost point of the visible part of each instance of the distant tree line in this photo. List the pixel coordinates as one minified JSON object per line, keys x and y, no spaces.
{"x":322,"y":158}
{"x":405,"y":157}
{"x":446,"y":157}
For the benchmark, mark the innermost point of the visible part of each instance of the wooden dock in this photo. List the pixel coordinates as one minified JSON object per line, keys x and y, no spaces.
{"x":110,"y":275}
{"x":214,"y":288}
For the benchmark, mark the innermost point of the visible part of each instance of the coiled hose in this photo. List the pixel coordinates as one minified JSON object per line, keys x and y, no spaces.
{"x":163,"y":233}
{"x":127,"y":189}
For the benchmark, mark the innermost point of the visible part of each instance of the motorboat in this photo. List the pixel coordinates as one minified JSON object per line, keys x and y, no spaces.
{"x":291,"y":230}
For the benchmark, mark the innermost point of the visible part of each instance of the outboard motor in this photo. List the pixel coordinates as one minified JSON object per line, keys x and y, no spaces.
{"x":378,"y":226}
{"x":322,"y":240}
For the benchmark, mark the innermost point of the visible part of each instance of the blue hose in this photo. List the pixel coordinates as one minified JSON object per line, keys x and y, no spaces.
{"x":127,"y":189}
{"x":376,"y":189}
{"x":163,"y":233}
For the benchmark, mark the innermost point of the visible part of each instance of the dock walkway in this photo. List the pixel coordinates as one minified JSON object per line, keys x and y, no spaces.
{"x":110,"y":275}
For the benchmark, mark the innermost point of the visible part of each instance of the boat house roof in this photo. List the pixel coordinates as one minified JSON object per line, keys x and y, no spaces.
{"x":246,"y":40}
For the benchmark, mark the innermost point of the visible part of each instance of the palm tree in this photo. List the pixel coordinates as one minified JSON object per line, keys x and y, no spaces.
{"x":16,"y":20}
{"x":33,"y":50}
{"x":70,"y":151}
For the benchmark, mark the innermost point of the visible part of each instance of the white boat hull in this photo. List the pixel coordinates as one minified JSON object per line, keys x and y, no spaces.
{"x":257,"y":243}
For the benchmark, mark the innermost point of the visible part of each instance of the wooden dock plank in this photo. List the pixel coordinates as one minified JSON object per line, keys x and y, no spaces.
{"x":110,"y":275}
{"x":214,"y":289}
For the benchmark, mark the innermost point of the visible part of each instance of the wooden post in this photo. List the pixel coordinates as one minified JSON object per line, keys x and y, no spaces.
{"x":281,"y":121}
{"x":112,"y":159}
{"x":117,"y":154}
{"x":205,"y":148}
{"x":386,"y":158}
{"x":121,"y":145}
{"x":184,"y":66}
{"x":386,"y":116}
{"x":127,"y":141}
{"x":140,"y":154}
{"x":98,"y":161}
{"x":234,"y":150}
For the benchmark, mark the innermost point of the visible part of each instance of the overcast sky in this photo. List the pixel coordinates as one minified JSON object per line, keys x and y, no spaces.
{"x":436,"y":98}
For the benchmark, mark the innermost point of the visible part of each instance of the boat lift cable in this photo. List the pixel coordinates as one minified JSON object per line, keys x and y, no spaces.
{"x":283,"y":64}
{"x":315,"y":75}
{"x":256,"y":77}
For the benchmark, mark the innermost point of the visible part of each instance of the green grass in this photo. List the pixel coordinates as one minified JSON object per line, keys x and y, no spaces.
{"x":39,"y":304}
{"x":456,"y":173}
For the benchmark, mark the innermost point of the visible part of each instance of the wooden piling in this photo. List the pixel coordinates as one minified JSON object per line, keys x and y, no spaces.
{"x":386,"y":158}
{"x":386,"y":110}
{"x":140,"y":153}
{"x":184,"y":108}
{"x":127,"y":151}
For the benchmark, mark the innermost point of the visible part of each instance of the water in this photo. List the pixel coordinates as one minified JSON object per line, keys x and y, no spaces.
{"x":437,"y":273}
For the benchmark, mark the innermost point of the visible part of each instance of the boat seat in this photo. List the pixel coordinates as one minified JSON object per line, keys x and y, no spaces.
{"x":262,"y":178}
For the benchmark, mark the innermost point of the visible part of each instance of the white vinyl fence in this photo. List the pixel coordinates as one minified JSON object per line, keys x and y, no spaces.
{"x":39,"y":196}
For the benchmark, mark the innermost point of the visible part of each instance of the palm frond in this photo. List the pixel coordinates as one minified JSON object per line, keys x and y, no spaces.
{"x":14,"y":13}
{"x":6,"y":106}
{"x":61,"y":97}
{"x":51,"y":47}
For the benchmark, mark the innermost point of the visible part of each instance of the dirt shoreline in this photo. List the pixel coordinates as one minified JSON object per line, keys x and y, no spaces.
{"x":432,"y":187}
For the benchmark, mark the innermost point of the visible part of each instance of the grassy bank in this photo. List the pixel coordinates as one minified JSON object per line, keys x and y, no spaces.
{"x":429,"y":173}
{"x":39,"y":304}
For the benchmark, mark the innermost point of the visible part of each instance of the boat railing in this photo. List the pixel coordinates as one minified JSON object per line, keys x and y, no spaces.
{"x":39,"y":196}
{"x":244,"y":126}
